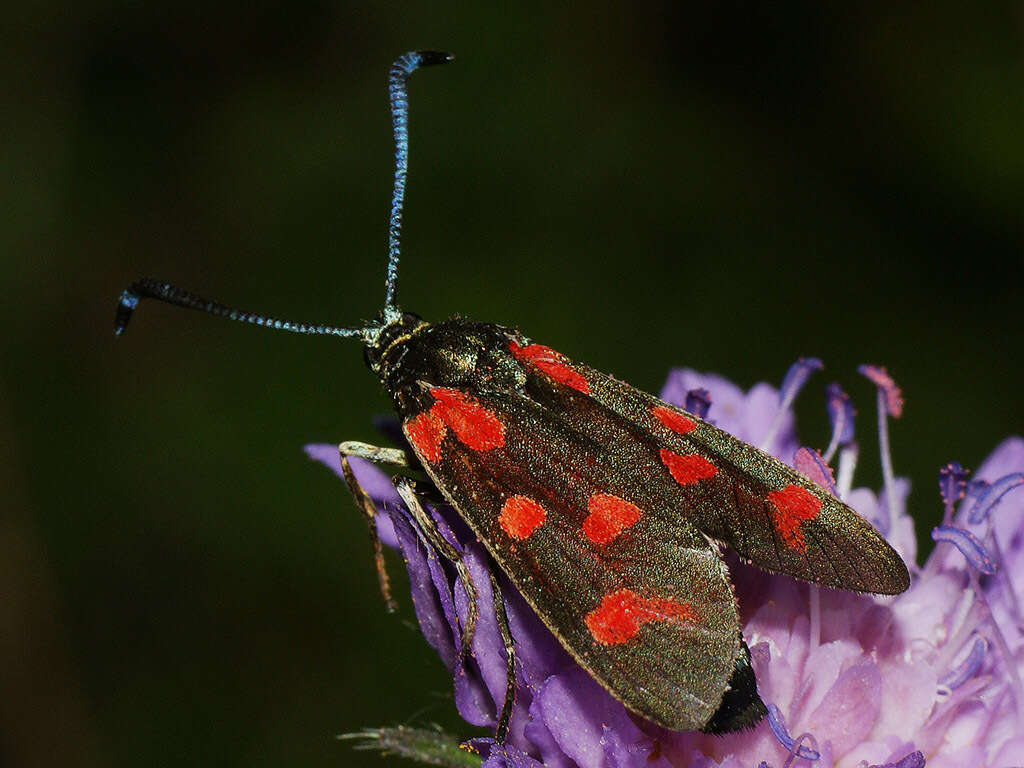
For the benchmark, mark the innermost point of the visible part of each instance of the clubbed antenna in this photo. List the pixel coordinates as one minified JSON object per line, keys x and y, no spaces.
{"x":171,"y":294}
{"x":397,"y":78}
{"x":155,"y":289}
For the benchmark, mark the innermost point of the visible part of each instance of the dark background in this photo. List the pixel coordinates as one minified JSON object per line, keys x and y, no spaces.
{"x":726,"y":186}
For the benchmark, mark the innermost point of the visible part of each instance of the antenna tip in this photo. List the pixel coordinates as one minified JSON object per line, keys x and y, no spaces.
{"x":430,"y":58}
{"x":125,"y":306}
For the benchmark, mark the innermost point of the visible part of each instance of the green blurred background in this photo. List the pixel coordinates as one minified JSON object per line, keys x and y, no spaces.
{"x":726,"y":186}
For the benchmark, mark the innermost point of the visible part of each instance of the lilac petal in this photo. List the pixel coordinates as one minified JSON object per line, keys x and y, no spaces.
{"x":795,"y":378}
{"x":501,"y":755}
{"x":824,"y":667}
{"x":1008,"y":456}
{"x":376,"y":483}
{"x":967,"y":668}
{"x":991,"y":496}
{"x":748,"y":416}
{"x":426,"y":597}
{"x":913,"y":760}
{"x":621,"y":753}
{"x":908,"y":691}
{"x":543,"y":741}
{"x":850,"y":708}
{"x":1009,"y":754}
{"x":373,"y":480}
{"x":472,"y":699}
{"x":778,"y":725}
{"x":970,"y":546}
{"x":698,"y":401}
{"x":726,"y":396}
{"x":808,"y":462}
{"x":878,"y":376}
{"x":327,"y":454}
{"x":841,"y":414}
{"x":488,"y":648}
{"x":576,"y":710}
{"x":952,"y":483}
{"x":766,"y":423}
{"x":538,"y":654}
{"x":898,"y":489}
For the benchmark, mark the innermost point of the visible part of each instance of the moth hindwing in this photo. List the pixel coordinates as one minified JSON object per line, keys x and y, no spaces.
{"x":603,"y":505}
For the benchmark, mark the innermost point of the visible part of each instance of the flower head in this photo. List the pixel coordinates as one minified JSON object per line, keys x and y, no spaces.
{"x":931,"y":676}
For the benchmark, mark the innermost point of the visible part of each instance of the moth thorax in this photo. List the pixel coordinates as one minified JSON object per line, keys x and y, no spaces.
{"x":384,"y":350}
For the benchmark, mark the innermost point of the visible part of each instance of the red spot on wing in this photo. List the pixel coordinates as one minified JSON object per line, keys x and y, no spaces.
{"x":673,"y":419}
{"x":609,"y":516}
{"x":621,"y":614}
{"x":551,"y":363}
{"x":520,"y":516}
{"x":474,"y":425}
{"x":426,"y":432}
{"x":793,"y":505}
{"x":688,"y":469}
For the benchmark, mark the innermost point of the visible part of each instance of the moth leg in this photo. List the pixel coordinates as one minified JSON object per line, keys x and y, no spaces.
{"x":363,"y":501}
{"x":407,"y":490}
{"x":510,"y":660}
{"x":394,"y":456}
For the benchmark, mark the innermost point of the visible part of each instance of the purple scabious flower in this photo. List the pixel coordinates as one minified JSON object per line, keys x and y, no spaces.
{"x":929,"y":677}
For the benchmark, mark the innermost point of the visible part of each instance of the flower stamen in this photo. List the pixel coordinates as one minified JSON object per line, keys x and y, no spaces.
{"x":792,"y":383}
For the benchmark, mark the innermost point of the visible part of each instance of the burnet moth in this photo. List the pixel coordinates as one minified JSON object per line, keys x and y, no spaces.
{"x":604,"y":506}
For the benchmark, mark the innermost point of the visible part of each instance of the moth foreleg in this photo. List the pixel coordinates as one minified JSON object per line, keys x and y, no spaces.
{"x":394,"y":456}
{"x":510,"y":660}
{"x":365,"y":504}
{"x":411,"y":496}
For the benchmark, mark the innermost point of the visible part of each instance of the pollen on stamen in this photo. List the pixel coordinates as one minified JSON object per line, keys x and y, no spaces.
{"x":608,"y":517}
{"x":425,"y":432}
{"x":673,"y":420}
{"x":793,"y":505}
{"x":474,"y":426}
{"x":621,"y":613}
{"x":551,"y":363}
{"x":521,"y":516}
{"x":687,"y":469}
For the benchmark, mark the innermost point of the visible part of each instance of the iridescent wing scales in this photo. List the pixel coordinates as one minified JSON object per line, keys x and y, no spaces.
{"x":641,"y":599}
{"x":763,"y":509}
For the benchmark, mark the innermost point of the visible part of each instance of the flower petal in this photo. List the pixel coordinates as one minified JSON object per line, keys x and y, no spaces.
{"x":376,"y":483}
{"x":576,"y":710}
{"x":850,"y":709}
{"x":913,"y":760}
{"x":501,"y":755}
